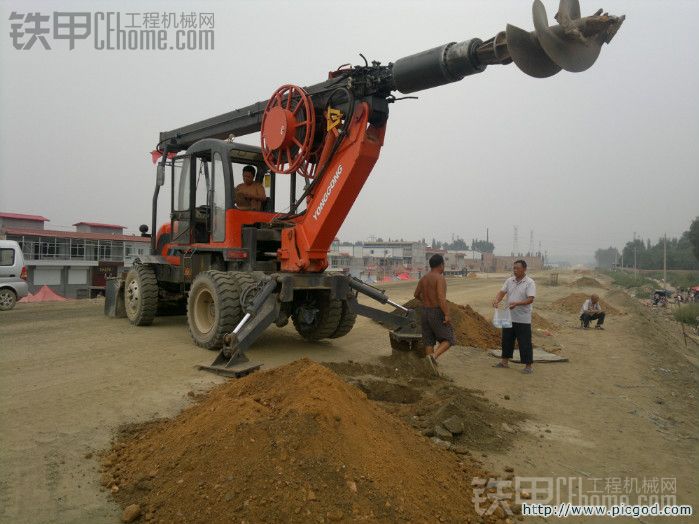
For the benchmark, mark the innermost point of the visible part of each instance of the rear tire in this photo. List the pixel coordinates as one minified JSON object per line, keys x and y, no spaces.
{"x":8,"y":299}
{"x":243,"y":282}
{"x":326,"y":320}
{"x":141,"y":295}
{"x":213,"y":308}
{"x":347,"y":320}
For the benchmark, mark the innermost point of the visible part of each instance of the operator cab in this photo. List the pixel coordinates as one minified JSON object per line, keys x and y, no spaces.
{"x":204,"y":217}
{"x":203,"y":180}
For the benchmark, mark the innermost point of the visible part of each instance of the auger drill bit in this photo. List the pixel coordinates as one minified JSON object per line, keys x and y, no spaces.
{"x":573,"y":44}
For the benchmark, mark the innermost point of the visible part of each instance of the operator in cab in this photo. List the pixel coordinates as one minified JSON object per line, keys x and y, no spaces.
{"x":249,"y":195}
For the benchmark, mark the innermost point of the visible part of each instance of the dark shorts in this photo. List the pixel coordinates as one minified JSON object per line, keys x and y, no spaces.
{"x":433,"y":328}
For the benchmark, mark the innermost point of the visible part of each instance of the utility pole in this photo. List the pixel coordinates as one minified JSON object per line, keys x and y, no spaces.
{"x":665,"y":262}
{"x":635,"y":269}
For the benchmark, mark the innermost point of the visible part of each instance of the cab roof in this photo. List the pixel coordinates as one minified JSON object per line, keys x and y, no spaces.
{"x":243,"y":153}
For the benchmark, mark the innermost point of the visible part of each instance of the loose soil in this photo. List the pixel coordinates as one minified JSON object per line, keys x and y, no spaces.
{"x":471,"y":329}
{"x":573,"y":303}
{"x":585,"y":282}
{"x":294,"y":444}
{"x":409,"y":388}
{"x":539,"y":322}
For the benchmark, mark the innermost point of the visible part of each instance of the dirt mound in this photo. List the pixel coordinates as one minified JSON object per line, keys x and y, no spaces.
{"x":294,"y":444}
{"x":573,"y":303}
{"x":432,"y":404}
{"x":470,"y":328}
{"x":539,"y":322}
{"x":400,"y":365}
{"x":585,"y":282}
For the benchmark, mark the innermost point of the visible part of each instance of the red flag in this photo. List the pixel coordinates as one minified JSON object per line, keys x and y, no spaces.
{"x":156,"y":155}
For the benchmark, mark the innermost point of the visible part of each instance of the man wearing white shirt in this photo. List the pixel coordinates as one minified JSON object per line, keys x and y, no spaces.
{"x":520,"y":291}
{"x":592,"y":310}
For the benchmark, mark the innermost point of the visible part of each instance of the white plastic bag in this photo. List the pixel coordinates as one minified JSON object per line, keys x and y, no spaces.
{"x":502,"y":318}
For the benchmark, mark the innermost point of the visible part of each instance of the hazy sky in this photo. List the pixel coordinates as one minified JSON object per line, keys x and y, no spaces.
{"x":584,"y":160}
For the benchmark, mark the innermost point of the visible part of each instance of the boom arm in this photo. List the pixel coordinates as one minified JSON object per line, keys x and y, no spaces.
{"x":573,"y":44}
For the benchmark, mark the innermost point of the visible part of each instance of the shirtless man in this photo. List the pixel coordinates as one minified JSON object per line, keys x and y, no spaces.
{"x":250,"y":194}
{"x":436,"y":326}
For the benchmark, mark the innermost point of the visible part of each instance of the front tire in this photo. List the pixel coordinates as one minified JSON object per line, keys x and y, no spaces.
{"x":213,"y":308}
{"x":8,"y":299}
{"x":141,"y":295}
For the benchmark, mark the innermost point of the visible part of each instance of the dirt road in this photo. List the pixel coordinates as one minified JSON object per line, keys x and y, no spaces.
{"x":624,"y":407}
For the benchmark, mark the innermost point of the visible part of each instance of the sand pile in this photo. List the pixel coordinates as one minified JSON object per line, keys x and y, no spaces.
{"x":585,"y":282}
{"x":539,"y":322}
{"x":432,"y":404}
{"x":470,"y":328}
{"x":294,"y":444}
{"x":573,"y":303}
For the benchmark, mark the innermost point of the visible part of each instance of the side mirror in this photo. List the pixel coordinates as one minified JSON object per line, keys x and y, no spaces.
{"x":160,"y":175}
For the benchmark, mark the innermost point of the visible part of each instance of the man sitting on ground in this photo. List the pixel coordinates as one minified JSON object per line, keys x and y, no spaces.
{"x":592,"y":310}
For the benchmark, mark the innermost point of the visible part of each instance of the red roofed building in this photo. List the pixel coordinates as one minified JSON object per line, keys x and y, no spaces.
{"x":21,"y":220}
{"x":74,"y":264}
{"x":95,"y":227}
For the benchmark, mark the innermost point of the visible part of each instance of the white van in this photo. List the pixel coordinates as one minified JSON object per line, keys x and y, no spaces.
{"x":13,"y":274}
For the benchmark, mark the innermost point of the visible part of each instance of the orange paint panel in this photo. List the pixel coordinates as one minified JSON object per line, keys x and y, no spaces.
{"x":306,"y":249}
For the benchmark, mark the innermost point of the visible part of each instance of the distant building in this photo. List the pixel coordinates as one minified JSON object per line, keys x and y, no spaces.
{"x":389,"y":259}
{"x":378,"y":260}
{"x":74,"y":264}
{"x":456,"y":263}
{"x":503,"y":264}
{"x":375,"y":261}
{"x":94,"y":227}
{"x":19,"y":220}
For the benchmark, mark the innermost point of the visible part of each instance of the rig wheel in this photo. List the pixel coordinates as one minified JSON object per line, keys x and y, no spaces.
{"x":213,"y":308}
{"x":141,"y":295}
{"x":318,"y":317}
{"x":347,"y":320}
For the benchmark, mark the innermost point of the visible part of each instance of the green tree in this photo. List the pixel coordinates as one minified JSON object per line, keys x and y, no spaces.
{"x":482,"y":245}
{"x":635,"y":250}
{"x":693,"y":237}
{"x":458,"y":244}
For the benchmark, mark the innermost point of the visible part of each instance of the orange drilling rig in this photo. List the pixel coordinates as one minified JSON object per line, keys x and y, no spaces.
{"x":239,"y":264}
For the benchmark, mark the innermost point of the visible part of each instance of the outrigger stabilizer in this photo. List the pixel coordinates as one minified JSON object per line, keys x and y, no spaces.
{"x":265,"y":309}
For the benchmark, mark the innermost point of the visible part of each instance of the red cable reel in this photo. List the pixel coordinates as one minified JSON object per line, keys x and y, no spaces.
{"x":288,"y":129}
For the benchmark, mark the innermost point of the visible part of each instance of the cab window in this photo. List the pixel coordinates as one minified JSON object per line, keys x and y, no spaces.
{"x":218,"y":210}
